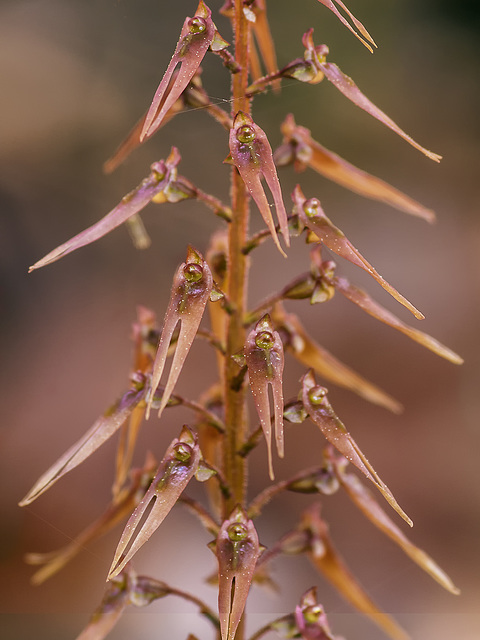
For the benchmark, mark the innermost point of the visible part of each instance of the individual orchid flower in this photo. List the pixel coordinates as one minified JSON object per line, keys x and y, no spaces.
{"x":347,"y":86}
{"x":299,"y":147}
{"x":307,"y":351}
{"x":313,"y":217}
{"x":366,"y":39}
{"x":363,"y":499}
{"x":99,"y":433}
{"x":320,"y":410}
{"x":325,"y":270}
{"x":311,"y":619}
{"x":326,"y":559}
{"x":178,"y":466}
{"x":252,"y":155}
{"x":197,"y":36}
{"x":191,"y":289}
{"x":162,"y":173}
{"x":237,"y":550}
{"x":120,"y":507}
{"x":264,"y":359}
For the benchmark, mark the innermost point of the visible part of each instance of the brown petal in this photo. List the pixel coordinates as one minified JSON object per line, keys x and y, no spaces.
{"x":176,"y":470}
{"x":314,"y":356}
{"x":365,"y":302}
{"x":313,"y":217}
{"x":364,"y":500}
{"x":346,"y":85}
{"x":321,"y":412}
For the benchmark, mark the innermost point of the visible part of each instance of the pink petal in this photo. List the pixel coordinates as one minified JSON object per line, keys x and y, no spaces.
{"x":329,"y":4}
{"x":312,"y":216}
{"x":191,"y":288}
{"x":346,"y":85}
{"x":176,"y":470}
{"x":321,"y":412}
{"x":189,"y":53}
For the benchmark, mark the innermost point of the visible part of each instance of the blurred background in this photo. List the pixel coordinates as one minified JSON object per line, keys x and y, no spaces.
{"x":75,"y":77}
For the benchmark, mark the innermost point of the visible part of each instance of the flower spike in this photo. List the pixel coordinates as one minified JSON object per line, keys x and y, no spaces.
{"x":195,"y":39}
{"x":162,"y":173}
{"x":176,"y":470}
{"x":329,"y":4}
{"x":237,"y":550}
{"x":264,"y":359}
{"x":320,"y":410}
{"x":192,"y":285}
{"x":312,"y":216}
{"x":252,"y":155}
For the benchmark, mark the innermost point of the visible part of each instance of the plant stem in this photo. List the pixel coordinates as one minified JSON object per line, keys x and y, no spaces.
{"x":235,"y":407}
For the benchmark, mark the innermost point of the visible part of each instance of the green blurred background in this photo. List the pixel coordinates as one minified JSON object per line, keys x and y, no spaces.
{"x":75,"y":76}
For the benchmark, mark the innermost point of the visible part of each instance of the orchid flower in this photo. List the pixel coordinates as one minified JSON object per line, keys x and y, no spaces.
{"x":325,"y":270}
{"x":197,"y":36}
{"x":310,"y":618}
{"x":178,"y":466}
{"x":366,"y":36}
{"x":118,"y":509}
{"x":345,"y":84}
{"x":299,"y":147}
{"x":326,"y":559}
{"x":99,"y":433}
{"x":237,"y":550}
{"x":162,"y":173}
{"x":307,"y":351}
{"x":320,"y":410}
{"x":312,"y":216}
{"x":191,"y":289}
{"x":264,"y":359}
{"x":363,"y":499}
{"x":252,"y":155}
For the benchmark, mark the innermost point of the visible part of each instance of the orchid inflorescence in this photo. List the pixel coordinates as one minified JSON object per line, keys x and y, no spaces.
{"x":250,"y":344}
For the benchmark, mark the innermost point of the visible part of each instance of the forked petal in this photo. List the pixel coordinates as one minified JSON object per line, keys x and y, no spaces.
{"x":99,"y":433}
{"x":365,"y":302}
{"x":347,"y":86}
{"x":265,"y":361}
{"x":252,"y":155}
{"x":310,"y":353}
{"x":132,"y":203}
{"x":363,"y":499}
{"x":333,"y":567}
{"x":329,"y":4}
{"x":195,"y":38}
{"x":191,"y":288}
{"x":312,"y":216}
{"x":237,"y":550}
{"x":176,"y":470}
{"x":315,"y":401}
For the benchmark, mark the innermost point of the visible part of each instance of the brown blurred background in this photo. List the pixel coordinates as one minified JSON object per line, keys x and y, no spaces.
{"x":75,"y":76}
